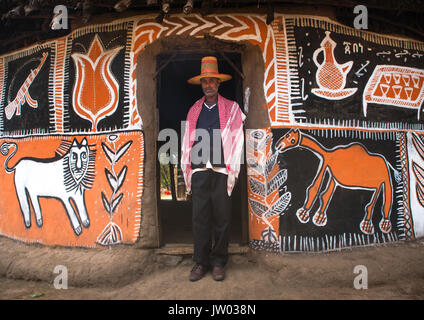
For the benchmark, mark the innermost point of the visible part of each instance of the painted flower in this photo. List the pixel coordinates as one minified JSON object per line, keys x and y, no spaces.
{"x":96,"y":91}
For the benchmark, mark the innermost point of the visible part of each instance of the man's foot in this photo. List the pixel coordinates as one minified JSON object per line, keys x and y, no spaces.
{"x":198,"y":272}
{"x":218,"y":273}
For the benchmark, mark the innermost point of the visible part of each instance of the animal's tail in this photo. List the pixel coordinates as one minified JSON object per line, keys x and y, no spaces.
{"x":4,"y":149}
{"x":398,"y":176}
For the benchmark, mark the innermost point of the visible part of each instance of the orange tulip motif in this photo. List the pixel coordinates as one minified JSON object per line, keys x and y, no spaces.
{"x":96,"y":91}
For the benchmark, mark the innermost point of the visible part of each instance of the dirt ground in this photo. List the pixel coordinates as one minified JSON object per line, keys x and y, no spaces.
{"x":395,"y":271}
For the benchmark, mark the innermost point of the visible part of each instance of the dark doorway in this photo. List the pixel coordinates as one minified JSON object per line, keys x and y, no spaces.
{"x":174,"y":98}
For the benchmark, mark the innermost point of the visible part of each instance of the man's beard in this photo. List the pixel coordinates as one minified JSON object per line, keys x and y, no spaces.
{"x":210,"y":93}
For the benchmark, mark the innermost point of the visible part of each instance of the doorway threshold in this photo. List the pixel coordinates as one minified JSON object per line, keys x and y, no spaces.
{"x":187,"y":249}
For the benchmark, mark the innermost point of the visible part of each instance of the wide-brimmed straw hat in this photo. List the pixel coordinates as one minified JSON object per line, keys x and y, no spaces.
{"x":209,"y":69}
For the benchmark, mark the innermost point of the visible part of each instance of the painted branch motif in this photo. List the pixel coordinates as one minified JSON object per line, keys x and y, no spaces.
{"x":112,"y":233}
{"x":417,"y":141}
{"x":265,"y":182}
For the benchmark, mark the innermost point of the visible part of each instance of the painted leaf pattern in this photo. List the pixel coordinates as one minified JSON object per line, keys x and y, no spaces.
{"x":109,"y":153}
{"x":105,"y":202}
{"x":258,"y":208}
{"x":280,"y":205}
{"x":111,"y":234}
{"x":122,"y":151}
{"x":269,"y":235}
{"x":419,"y":174}
{"x":277,"y":181}
{"x":418,"y":170}
{"x":418,"y":144}
{"x":257,"y":186}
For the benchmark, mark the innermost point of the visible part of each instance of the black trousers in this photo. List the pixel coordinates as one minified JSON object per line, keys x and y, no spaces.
{"x":211,"y":217}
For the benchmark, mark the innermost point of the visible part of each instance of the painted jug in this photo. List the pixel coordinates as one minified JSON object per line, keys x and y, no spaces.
{"x":330,"y":75}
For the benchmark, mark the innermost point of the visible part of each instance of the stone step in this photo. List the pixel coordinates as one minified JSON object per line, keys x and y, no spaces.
{"x":187,"y":249}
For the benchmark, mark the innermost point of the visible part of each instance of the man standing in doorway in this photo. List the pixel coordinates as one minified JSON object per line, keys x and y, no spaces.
{"x":211,"y":154}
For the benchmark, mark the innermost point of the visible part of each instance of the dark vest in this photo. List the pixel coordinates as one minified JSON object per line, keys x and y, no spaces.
{"x":208,"y":120}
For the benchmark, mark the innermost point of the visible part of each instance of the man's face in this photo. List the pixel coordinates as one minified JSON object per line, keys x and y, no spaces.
{"x":210,"y":86}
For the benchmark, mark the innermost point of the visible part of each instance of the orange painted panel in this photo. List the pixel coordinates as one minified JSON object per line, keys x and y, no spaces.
{"x":82,"y":190}
{"x":268,"y":197}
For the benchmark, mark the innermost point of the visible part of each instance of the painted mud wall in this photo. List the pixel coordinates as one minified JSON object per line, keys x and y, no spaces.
{"x":341,"y":165}
{"x":339,"y":100}
{"x":72,"y":142}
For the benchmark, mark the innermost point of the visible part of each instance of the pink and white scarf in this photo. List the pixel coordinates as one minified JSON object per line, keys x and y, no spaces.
{"x":231,"y":124}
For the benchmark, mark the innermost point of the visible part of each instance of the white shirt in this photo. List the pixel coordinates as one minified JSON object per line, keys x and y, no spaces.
{"x":209,"y":166}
